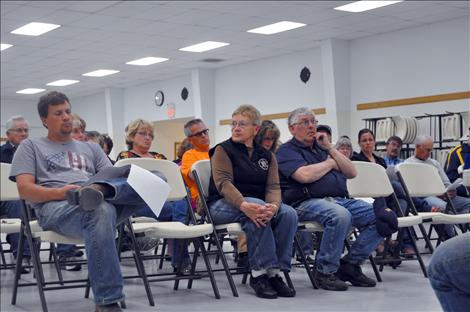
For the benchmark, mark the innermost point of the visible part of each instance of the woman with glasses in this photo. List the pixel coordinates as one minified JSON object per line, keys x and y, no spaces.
{"x":244,"y":188}
{"x":139,"y":138}
{"x":268,"y":136}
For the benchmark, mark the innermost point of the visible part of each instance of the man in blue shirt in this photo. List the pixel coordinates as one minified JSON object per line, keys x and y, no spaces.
{"x":394,"y":144}
{"x":313,"y":180}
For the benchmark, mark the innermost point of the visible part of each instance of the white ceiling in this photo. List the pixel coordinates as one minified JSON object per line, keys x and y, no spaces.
{"x":106,"y":34}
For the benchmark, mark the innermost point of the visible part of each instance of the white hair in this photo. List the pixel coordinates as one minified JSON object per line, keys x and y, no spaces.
{"x":10,"y":122}
{"x":294,"y":115}
{"x":422,"y":139}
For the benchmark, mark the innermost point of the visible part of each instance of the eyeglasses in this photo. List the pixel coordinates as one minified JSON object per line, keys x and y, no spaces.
{"x":241,"y":124}
{"x":145,"y":134}
{"x":307,"y":122}
{"x":18,"y":130}
{"x":200,"y":133}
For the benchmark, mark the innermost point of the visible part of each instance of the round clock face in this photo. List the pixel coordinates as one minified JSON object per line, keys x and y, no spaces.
{"x":159,"y":98}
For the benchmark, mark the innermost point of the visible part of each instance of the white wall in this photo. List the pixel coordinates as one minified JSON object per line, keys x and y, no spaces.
{"x":272,"y":85}
{"x":420,"y":61}
{"x":92,"y":109}
{"x":139,"y":100}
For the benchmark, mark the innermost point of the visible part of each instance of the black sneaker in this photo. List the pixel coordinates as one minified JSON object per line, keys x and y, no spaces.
{"x":243,"y":263}
{"x":352,"y":273}
{"x":147,"y":243}
{"x":310,"y":259}
{"x":25,"y":265}
{"x":280,"y":287}
{"x":113,"y":307}
{"x":330,"y":282}
{"x":262,"y":287}
{"x":63,"y":260}
{"x":87,"y":197}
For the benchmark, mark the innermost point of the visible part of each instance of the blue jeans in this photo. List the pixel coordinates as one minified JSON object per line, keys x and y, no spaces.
{"x":268,"y":247}
{"x":338,"y":215}
{"x":461,"y":204}
{"x":12,"y":209}
{"x":449,"y":272}
{"x":171,"y":211}
{"x":98,"y":229}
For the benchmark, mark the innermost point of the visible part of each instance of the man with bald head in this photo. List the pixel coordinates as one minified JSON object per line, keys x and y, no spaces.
{"x":424,"y":146}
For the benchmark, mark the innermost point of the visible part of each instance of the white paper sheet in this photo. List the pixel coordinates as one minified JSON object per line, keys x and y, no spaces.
{"x":454,"y":185}
{"x":153,"y":190}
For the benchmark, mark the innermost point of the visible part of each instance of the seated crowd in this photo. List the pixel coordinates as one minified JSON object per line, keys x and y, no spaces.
{"x":266,"y":186}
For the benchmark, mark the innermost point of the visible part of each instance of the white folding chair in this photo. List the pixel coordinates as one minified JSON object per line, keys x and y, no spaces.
{"x":34,"y":233}
{"x":202,"y":174}
{"x":174,"y":230}
{"x":372,"y":181}
{"x":422,"y":180}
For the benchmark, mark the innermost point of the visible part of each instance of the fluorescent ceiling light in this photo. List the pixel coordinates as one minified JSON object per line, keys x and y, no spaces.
{"x":147,"y":61}
{"x":30,"y":91}
{"x":34,"y":29}
{"x":361,"y":6}
{"x":5,"y":46}
{"x":204,"y":46}
{"x":101,"y":73}
{"x":276,"y":28}
{"x":62,"y":82}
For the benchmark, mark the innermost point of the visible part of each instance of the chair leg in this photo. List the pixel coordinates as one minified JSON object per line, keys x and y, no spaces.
{"x":426,"y":238}
{"x":56,"y":262}
{"x":305,"y":262}
{"x":288,"y":280}
{"x":378,"y":277}
{"x":140,"y":265}
{"x":418,"y":255}
{"x":87,"y":288}
{"x":19,"y":260}
{"x":4,"y":262}
{"x":200,"y":242}
{"x":39,"y":274}
{"x":225,"y":265}
{"x":162,"y":255}
{"x":182,"y":244}
{"x":193,"y":265}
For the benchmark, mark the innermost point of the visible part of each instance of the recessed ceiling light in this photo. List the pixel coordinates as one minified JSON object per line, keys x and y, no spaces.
{"x":204,"y":46}
{"x":34,"y":29}
{"x":5,"y":46}
{"x":30,"y":91}
{"x":62,"y":82}
{"x":147,"y":61}
{"x":101,"y":73}
{"x":276,"y":28}
{"x":361,"y":6}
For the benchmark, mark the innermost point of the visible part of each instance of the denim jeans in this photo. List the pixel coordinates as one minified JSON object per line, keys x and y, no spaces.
{"x":268,"y":247}
{"x":98,"y":228}
{"x":449,"y":272}
{"x":338,"y":215}
{"x":461,"y":204}
{"x":171,"y":211}
{"x":12,"y":209}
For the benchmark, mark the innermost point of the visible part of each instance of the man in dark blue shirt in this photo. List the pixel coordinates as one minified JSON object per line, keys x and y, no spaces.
{"x":17,"y":129}
{"x":313,"y":180}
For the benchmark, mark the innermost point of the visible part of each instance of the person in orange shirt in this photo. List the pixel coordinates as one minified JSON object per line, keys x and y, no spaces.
{"x":198,"y":135}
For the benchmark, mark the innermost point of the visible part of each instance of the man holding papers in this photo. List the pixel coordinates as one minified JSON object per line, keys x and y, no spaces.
{"x":50,"y":173}
{"x":424,"y":147}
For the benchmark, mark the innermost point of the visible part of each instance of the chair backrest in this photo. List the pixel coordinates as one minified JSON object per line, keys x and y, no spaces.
{"x":203,"y":170}
{"x":9,"y":190}
{"x":168,"y":168}
{"x":421,"y":180}
{"x":371,"y":181}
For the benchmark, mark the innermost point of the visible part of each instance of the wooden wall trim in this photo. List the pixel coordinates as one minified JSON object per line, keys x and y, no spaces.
{"x":415,"y":100}
{"x":316,"y":111}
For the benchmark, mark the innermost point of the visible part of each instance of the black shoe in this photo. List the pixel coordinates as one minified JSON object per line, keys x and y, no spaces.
{"x":70,"y":266}
{"x":87,"y":197}
{"x":310,"y":259}
{"x":352,"y":273}
{"x":262,"y":287}
{"x":243,"y":263}
{"x":25,"y":265}
{"x":280,"y":287}
{"x":330,"y":282}
{"x":185,"y":271}
{"x":147,"y":243}
{"x":113,"y":307}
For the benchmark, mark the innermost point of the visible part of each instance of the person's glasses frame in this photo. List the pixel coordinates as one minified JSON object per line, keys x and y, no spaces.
{"x":145,"y":134}
{"x":307,"y":122}
{"x":241,"y":124}
{"x":200,"y":133}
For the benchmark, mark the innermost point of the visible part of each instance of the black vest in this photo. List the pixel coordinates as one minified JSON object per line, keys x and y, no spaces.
{"x":249,"y":174}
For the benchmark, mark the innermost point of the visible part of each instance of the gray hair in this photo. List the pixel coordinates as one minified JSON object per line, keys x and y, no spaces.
{"x":294,"y":115}
{"x":12,"y":120}
{"x":421,"y":139}
{"x":343,"y":141}
{"x":189,"y":124}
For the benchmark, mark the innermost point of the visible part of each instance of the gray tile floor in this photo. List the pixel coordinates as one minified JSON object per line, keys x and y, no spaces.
{"x":403,"y":289}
